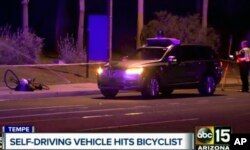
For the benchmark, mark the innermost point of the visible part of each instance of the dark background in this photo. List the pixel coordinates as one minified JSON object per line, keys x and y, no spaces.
{"x":52,"y":19}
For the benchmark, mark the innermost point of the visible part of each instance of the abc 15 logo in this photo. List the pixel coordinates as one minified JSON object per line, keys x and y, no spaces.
{"x":211,"y":135}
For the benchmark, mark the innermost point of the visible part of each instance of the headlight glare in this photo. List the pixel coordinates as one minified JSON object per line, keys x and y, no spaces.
{"x":99,"y":70}
{"x":134,"y":71}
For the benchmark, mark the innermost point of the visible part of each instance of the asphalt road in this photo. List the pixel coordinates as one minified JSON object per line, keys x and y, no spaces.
{"x":180,"y":112}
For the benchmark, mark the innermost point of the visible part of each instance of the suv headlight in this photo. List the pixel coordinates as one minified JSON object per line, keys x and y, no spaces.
{"x":99,"y":71}
{"x":134,"y":71}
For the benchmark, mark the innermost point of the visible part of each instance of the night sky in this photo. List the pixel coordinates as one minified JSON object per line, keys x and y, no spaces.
{"x":52,"y":19}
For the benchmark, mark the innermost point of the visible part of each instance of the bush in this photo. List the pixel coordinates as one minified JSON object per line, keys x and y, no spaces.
{"x":188,"y":29}
{"x":68,"y":51}
{"x":18,"y":48}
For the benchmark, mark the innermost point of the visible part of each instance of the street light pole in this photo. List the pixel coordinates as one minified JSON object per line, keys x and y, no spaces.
{"x":80,"y":36}
{"x":25,"y":15}
{"x":204,"y":15}
{"x":110,"y":28}
{"x":140,"y":21}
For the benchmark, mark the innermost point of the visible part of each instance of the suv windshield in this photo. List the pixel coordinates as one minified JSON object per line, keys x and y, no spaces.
{"x":148,"y":54}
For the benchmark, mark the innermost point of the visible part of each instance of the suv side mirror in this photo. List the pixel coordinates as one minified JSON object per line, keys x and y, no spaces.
{"x":172,"y":59}
{"x":231,"y":57}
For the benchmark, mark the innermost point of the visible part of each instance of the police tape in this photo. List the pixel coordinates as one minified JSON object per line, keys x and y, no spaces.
{"x":78,"y":64}
{"x":52,"y":65}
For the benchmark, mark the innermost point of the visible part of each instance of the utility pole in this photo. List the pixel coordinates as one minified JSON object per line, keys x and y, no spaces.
{"x":110,"y":27}
{"x":140,"y":21}
{"x":80,"y":36}
{"x":204,"y":15}
{"x":25,"y":15}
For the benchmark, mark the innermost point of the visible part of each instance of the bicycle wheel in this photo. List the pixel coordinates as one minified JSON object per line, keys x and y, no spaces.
{"x":11,"y":80}
{"x":44,"y":87}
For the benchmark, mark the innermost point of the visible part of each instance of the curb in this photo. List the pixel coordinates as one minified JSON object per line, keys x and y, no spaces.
{"x":22,"y":95}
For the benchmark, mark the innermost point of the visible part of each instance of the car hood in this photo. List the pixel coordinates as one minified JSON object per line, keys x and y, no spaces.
{"x":130,"y":63}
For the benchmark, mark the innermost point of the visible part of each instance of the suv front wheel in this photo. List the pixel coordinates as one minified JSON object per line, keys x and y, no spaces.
{"x":150,"y":88}
{"x":167,"y":91}
{"x":109,"y":93}
{"x":207,"y":86}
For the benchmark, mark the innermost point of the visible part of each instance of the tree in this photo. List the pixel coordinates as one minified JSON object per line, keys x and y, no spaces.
{"x":81,"y":25}
{"x":188,"y":29}
{"x":25,"y":15}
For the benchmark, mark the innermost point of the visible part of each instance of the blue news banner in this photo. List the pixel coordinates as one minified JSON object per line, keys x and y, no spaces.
{"x":204,"y":138}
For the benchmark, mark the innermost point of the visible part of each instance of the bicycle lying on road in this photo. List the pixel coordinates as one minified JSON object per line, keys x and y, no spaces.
{"x":12,"y":81}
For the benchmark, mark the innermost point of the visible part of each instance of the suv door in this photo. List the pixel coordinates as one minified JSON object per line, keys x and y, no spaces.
{"x":174,"y":72}
{"x":187,"y":69}
{"x":190,"y":64}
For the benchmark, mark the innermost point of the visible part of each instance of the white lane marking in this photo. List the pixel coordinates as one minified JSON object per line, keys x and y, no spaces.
{"x":70,"y":112}
{"x":101,"y":116}
{"x":42,"y":120}
{"x":58,"y":119}
{"x":173,"y":103}
{"x":221,"y":101}
{"x":36,"y":108}
{"x":134,"y":114}
{"x":140,"y":124}
{"x":2,"y":100}
{"x":245,"y":114}
{"x":202,"y":102}
{"x":68,"y":118}
{"x":145,"y":106}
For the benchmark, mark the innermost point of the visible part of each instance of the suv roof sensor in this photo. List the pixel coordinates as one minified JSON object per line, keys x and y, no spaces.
{"x":162,"y":41}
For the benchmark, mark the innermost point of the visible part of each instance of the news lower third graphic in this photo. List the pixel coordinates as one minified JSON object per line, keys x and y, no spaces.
{"x":14,"y":129}
{"x":211,"y":137}
{"x":18,"y":129}
{"x":220,"y":138}
{"x":204,"y":138}
{"x":240,"y":141}
{"x":24,"y":137}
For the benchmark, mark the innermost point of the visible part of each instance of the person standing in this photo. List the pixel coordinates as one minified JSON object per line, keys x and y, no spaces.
{"x":243,"y":60}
